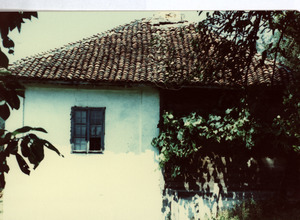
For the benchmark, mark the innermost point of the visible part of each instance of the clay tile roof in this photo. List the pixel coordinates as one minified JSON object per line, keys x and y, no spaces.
{"x":126,"y":55}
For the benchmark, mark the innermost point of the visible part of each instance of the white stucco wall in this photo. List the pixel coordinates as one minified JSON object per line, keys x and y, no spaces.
{"x":122,"y":183}
{"x":131,"y":115}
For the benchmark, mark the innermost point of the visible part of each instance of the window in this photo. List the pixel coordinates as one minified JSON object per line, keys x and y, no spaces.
{"x":87,"y":130}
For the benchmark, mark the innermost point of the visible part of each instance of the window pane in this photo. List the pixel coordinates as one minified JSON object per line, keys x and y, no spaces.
{"x":80,"y":144}
{"x":80,"y":131}
{"x":96,"y":117}
{"x":80,"y":117}
{"x":95,"y":130}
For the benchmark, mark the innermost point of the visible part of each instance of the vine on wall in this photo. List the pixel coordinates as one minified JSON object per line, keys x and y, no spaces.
{"x":213,"y":148}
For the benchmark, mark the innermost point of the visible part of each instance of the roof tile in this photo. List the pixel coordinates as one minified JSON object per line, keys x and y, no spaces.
{"x":125,"y":54}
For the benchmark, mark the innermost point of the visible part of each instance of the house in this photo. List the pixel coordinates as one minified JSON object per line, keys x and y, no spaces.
{"x":100,"y":99}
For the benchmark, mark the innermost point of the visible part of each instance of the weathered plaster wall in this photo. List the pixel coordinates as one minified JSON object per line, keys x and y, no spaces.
{"x":122,"y":183}
{"x":131,"y":115}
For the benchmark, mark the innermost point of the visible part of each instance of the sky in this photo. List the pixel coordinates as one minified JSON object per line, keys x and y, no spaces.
{"x":150,"y":4}
{"x":55,"y":29}
{"x":78,"y":19}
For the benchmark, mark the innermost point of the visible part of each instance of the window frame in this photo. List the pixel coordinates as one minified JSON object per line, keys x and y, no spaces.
{"x":88,"y":127}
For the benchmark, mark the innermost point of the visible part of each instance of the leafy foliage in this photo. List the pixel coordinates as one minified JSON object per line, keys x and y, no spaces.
{"x":229,"y":143}
{"x":230,"y":44}
{"x":287,"y":124}
{"x":22,"y":143}
{"x":193,"y":136}
{"x":241,"y":34}
{"x":10,"y":21}
{"x":10,"y":89}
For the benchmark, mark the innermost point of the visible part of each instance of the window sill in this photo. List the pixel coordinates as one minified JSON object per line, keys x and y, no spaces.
{"x":84,"y":152}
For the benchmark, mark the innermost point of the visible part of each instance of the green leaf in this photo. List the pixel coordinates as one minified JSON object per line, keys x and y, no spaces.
{"x":5,"y":140}
{"x":51,"y":147}
{"x":3,"y":165}
{"x":4,"y":112}
{"x":170,"y":116}
{"x":10,"y":86}
{"x":27,"y":129}
{"x":3,"y":60}
{"x":228,"y":111}
{"x":33,"y":137}
{"x":12,"y":99}
{"x":22,"y":130}
{"x":179,"y":135}
{"x":36,"y":153}
{"x":8,"y":43}
{"x":25,"y":150}
{"x":40,"y":129}
{"x":2,"y":181}
{"x":22,"y":164}
{"x":10,"y":90}
{"x":21,"y":92}
{"x":2,"y":132}
{"x":12,"y":147}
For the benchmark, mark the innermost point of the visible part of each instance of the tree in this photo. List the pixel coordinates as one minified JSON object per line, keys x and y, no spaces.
{"x":22,"y":143}
{"x":230,"y":44}
{"x":10,"y":21}
{"x":243,"y":33}
{"x":263,"y":35}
